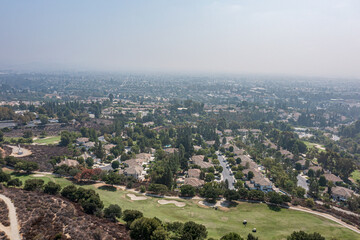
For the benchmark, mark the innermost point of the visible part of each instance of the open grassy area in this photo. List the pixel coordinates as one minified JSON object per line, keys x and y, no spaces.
{"x":270,"y":224}
{"x":318,"y":146}
{"x":48,"y":140}
{"x":356,"y":175}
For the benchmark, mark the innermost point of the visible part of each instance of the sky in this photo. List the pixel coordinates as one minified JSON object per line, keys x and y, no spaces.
{"x":291,"y":37}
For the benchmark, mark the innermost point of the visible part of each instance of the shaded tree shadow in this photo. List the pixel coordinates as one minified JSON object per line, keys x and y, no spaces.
{"x":108,"y":188}
{"x":232,"y":204}
{"x":274,"y":208}
{"x":20,"y":174}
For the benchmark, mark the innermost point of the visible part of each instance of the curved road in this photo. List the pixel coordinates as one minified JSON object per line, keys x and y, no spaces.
{"x":13,"y":231}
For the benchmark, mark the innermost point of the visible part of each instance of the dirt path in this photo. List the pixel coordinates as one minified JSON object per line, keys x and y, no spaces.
{"x":13,"y":230}
{"x":327,"y":216}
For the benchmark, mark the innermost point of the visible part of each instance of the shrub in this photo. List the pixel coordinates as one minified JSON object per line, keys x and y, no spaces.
{"x":52,"y":188}
{"x":187,"y":191}
{"x":143,"y":228}
{"x":14,"y":182}
{"x":142,"y":189}
{"x":33,"y":184}
{"x":112,"y":212}
{"x":69,"y":192}
{"x":158,"y":188}
{"x":232,"y":236}
{"x":4,"y":177}
{"x":310,"y":202}
{"x":130,"y":215}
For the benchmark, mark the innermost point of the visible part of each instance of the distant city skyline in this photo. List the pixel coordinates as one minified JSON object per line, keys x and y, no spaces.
{"x":284,"y":37}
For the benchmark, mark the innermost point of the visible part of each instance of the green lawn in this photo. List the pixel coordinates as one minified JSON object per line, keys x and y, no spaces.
{"x":269,"y":224}
{"x":48,"y":140}
{"x":317,"y":145}
{"x":355,"y":175}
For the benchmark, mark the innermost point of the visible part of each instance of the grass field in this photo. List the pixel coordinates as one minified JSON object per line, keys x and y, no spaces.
{"x":269,"y":224}
{"x":48,"y":140}
{"x":355,"y":175}
{"x":318,"y":146}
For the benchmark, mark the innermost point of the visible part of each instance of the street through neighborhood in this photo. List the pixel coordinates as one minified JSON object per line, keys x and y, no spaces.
{"x":226,"y":174}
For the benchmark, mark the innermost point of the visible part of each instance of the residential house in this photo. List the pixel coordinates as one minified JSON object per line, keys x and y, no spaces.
{"x":341,"y":193}
{"x":199,"y":160}
{"x":195,"y":182}
{"x":68,"y":162}
{"x":81,"y":141}
{"x":194,"y":173}
{"x":333,"y":178}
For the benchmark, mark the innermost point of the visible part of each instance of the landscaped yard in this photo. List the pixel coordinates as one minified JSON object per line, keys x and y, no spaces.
{"x":356,"y":175}
{"x":269,"y":224}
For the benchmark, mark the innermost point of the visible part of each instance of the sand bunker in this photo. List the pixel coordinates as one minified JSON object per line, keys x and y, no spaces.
{"x":217,"y":204}
{"x":38,"y":175}
{"x":178,"y":204}
{"x":136,"y":198}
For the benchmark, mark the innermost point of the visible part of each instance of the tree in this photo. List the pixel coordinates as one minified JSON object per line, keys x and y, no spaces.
{"x":256,"y":195}
{"x":232,"y":236}
{"x":299,"y":192}
{"x":274,"y":197}
{"x":1,"y":136}
{"x":194,"y":230}
{"x":160,"y":234}
{"x":52,"y":188}
{"x":113,"y":179}
{"x":286,"y":198}
{"x":209,"y":177}
{"x":90,"y":161}
{"x":231,"y":195}
{"x":26,"y":166}
{"x":69,"y":192}
{"x":158,"y":188}
{"x":250,"y":175}
{"x":4,"y":177}
{"x":301,"y":235}
{"x":111,"y":97}
{"x":130,"y":215}
{"x":322,"y":181}
{"x":33,"y":184}
{"x":27,"y":134}
{"x":211,"y":191}
{"x":311,"y":173}
{"x":66,"y":138}
{"x":143,"y":228}
{"x":115,"y":164}
{"x":43,"y":119}
{"x":239,"y":175}
{"x":252,"y":237}
{"x":187,"y":191}
{"x":310,"y":202}
{"x":112,"y":212}
{"x":14,"y":182}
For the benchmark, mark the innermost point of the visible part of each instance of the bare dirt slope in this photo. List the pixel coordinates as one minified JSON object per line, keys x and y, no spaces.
{"x":43,"y":216}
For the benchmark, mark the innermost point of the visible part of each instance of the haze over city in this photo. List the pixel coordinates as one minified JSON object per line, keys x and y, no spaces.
{"x":306,"y":38}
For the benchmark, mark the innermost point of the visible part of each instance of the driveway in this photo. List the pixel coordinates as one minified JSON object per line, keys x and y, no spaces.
{"x":301,"y":182}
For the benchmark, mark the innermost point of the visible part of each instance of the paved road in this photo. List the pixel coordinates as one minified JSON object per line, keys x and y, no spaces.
{"x":302,"y":182}
{"x":13,"y":231}
{"x":226,"y":172}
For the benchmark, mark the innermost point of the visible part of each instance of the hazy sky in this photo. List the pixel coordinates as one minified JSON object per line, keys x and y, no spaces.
{"x":302,"y":37}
